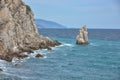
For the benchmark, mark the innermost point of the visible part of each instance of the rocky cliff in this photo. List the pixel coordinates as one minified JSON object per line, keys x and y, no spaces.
{"x":18,"y":31}
{"x":82,"y":37}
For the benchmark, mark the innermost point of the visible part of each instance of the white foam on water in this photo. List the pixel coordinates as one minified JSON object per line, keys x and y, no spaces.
{"x":62,"y":46}
{"x":15,"y":60}
{"x":1,"y":62}
{"x":70,"y":45}
{"x":33,"y":54}
{"x":66,"y":44}
{"x":3,"y":65}
{"x":45,"y":57}
{"x":93,"y":44}
{"x":42,"y":52}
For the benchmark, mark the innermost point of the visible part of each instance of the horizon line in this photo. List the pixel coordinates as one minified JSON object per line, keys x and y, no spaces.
{"x":78,"y":28}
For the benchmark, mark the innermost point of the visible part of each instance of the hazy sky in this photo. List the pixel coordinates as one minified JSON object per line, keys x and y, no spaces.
{"x":75,"y":13}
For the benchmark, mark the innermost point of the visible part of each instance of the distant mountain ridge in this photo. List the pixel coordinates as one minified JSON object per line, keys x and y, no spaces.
{"x":48,"y":24}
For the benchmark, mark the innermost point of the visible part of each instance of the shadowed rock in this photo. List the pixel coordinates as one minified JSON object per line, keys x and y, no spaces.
{"x":1,"y":70}
{"x":7,"y":57}
{"x":39,"y":56}
{"x":22,"y":56}
{"x":82,"y":37}
{"x":49,"y":48}
{"x":10,"y":56}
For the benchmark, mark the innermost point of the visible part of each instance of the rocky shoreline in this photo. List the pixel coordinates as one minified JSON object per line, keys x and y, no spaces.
{"x":18,"y":32}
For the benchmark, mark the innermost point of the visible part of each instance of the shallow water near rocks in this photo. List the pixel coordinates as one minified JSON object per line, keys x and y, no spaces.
{"x":99,"y":60}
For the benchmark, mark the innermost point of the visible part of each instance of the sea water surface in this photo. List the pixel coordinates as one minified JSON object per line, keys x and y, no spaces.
{"x":99,"y":60}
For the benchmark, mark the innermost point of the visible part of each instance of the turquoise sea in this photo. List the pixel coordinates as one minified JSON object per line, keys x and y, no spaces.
{"x":99,"y":60}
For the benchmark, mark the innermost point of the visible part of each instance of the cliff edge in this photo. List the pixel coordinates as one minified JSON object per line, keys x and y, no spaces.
{"x":18,"y":32}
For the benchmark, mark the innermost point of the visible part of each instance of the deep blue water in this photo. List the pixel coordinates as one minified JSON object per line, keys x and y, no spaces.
{"x":100,"y":60}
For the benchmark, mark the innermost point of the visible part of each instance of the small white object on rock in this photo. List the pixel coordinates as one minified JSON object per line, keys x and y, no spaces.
{"x":82,"y":37}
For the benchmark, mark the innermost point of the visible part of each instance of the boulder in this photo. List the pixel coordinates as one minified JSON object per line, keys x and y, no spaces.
{"x":39,"y":56}
{"x":49,"y":48}
{"x":82,"y":37}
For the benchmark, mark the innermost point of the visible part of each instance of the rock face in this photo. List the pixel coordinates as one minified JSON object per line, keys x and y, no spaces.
{"x":18,"y":31}
{"x":82,"y":37}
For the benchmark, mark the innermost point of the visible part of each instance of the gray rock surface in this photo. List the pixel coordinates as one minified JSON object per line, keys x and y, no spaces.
{"x":82,"y":37}
{"x":18,"y":32}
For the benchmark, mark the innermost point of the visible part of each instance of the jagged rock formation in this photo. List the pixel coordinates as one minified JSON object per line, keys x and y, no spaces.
{"x":18,"y":31}
{"x":82,"y":37}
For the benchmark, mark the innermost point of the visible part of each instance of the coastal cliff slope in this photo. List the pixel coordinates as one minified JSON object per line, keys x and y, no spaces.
{"x":18,"y":32}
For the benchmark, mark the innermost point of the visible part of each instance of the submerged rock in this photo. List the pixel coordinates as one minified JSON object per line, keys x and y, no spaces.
{"x":1,"y":70}
{"x":16,"y":65}
{"x":18,"y":32}
{"x":39,"y":56}
{"x":82,"y":37}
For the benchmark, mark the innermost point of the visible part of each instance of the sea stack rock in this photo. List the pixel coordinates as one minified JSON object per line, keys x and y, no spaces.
{"x":82,"y":37}
{"x":18,"y":32}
